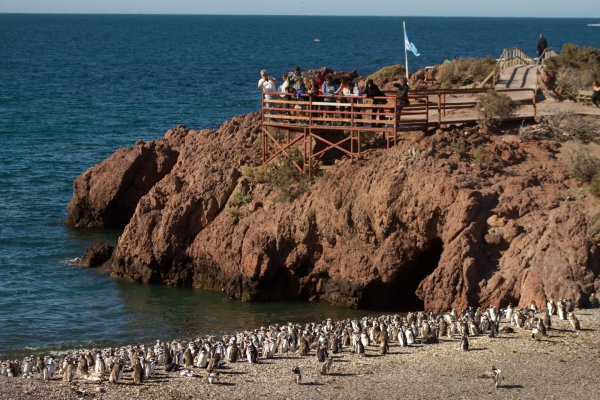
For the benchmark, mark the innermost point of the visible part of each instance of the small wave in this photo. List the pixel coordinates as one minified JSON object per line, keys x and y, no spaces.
{"x":70,"y":261}
{"x":593,"y":24}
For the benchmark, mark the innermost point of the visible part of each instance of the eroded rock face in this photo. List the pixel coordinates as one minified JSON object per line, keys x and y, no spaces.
{"x":106,"y":195}
{"x":419,"y":225}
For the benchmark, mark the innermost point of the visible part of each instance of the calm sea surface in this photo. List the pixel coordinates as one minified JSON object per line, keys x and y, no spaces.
{"x":73,"y":88}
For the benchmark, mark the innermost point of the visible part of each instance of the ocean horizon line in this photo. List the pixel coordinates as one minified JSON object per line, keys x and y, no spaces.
{"x":291,"y":15}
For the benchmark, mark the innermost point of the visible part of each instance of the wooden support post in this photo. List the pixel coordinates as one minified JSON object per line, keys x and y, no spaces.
{"x":304,"y":155}
{"x":534,"y":105}
{"x":439,"y":108}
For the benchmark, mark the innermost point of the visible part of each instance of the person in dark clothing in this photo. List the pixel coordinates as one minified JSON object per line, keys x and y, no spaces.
{"x":596,"y":93}
{"x":402,"y":92}
{"x":371,"y":92}
{"x":541,"y":45}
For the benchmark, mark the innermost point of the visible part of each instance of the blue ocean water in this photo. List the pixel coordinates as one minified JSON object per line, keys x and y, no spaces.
{"x":73,"y":88}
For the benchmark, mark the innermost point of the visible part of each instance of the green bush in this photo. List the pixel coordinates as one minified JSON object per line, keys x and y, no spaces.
{"x":464,"y":72}
{"x":595,"y":184}
{"x":576,"y":57}
{"x":233,"y":215}
{"x":281,"y":175}
{"x":481,"y":157}
{"x":583,"y":166}
{"x":240,"y":197}
{"x":494,"y":107}
{"x":459,"y":147}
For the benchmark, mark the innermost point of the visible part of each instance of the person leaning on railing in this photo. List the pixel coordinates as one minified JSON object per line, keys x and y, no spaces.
{"x":374,"y":94}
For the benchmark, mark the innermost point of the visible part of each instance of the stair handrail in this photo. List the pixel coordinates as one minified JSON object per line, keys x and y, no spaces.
{"x":546,"y":54}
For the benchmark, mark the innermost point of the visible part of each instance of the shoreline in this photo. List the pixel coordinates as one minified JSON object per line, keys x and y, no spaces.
{"x":561,"y":365}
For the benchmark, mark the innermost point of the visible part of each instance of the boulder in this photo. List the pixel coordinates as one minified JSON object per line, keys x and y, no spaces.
{"x":106,"y":195}
{"x":96,"y":255}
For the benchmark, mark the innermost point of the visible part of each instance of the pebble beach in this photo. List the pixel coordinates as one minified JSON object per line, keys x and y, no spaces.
{"x":562,"y":365}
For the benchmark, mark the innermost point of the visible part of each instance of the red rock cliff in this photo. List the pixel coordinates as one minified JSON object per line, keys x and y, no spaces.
{"x":421,"y":224}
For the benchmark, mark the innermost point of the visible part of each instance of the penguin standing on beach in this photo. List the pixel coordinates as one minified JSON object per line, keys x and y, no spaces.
{"x":137,"y":373}
{"x":574,"y":321}
{"x":49,"y":369}
{"x":297,"y":375}
{"x":326,"y":366}
{"x":116,"y":373}
{"x":464,"y":343}
{"x":99,"y":365}
{"x":69,"y":372}
{"x":251,"y":353}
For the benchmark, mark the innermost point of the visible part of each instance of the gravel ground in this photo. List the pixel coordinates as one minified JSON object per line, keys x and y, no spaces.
{"x":563,"y":365}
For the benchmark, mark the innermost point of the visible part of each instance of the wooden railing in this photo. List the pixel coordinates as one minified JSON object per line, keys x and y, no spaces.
{"x":341,"y":122}
{"x":510,"y":57}
{"x":311,"y":119}
{"x":546,"y":54}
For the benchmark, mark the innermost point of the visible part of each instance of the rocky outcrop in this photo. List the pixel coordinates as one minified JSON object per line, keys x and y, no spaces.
{"x":96,"y":255}
{"x":106,"y":195}
{"x":428,"y":223}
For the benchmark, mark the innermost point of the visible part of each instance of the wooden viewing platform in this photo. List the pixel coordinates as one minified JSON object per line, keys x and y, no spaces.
{"x":339,"y":122}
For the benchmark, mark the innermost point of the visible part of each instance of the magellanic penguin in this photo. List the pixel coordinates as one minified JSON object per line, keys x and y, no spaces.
{"x":326,"y":366}
{"x":188,"y":358}
{"x":321,"y":353}
{"x":117,"y":372}
{"x":69,"y":372}
{"x":297,"y":375}
{"x":232,"y":351}
{"x":383,"y":343}
{"x":213,"y":378}
{"x":497,"y":374}
{"x":137,"y":373}
{"x":574,"y":321}
{"x":202,"y":359}
{"x":251,"y":353}
{"x":99,"y":365}
{"x":464,"y":343}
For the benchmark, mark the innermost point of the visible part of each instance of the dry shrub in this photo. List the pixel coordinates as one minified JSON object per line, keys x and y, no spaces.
{"x":493,"y":108}
{"x":565,"y":126}
{"x":595,"y":184}
{"x":576,"y":67}
{"x":570,"y":81}
{"x":583,"y":166}
{"x":594,"y":224}
{"x":464,"y":72}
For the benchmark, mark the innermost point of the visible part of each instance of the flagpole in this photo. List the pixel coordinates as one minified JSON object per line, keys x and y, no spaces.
{"x":405,"y":49}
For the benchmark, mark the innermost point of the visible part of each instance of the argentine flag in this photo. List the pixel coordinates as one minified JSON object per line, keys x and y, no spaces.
{"x":409,"y":45}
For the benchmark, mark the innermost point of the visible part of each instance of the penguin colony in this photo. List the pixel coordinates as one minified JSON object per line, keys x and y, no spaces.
{"x":324,"y":339}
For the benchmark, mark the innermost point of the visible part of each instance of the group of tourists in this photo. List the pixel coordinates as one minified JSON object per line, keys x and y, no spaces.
{"x":298,"y":86}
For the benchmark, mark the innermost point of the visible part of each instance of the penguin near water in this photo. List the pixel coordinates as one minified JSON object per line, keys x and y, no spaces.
{"x":137,"y":373}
